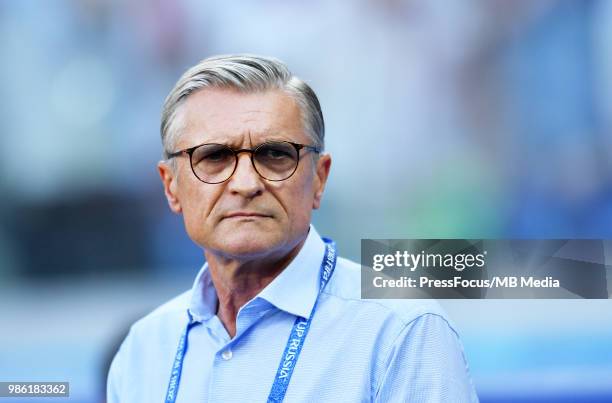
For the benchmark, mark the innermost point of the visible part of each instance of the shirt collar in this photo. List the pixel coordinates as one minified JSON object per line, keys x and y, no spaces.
{"x":204,"y":299}
{"x":294,"y":290}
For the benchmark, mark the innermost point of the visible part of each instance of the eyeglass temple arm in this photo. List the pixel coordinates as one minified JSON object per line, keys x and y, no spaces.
{"x":187,"y":151}
{"x":311,"y":148}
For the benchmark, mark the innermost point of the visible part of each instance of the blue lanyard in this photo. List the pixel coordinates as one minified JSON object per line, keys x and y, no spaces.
{"x":292,"y":350}
{"x":300,"y":330}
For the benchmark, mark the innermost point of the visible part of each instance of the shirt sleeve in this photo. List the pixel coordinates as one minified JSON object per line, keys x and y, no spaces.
{"x":426,"y":364}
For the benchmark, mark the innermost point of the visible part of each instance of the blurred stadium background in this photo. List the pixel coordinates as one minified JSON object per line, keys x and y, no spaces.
{"x":472,"y":119}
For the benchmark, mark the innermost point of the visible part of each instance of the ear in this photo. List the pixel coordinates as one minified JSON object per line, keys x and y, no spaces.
{"x":168,"y":178}
{"x":321,"y":174}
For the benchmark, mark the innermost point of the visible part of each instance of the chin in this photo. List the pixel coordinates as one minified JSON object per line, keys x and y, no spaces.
{"x":249,"y":244}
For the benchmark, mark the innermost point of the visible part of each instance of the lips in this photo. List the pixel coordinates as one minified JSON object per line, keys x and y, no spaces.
{"x":246,"y":214}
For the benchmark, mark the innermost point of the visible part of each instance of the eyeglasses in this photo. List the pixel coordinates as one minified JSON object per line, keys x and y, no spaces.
{"x":272,"y":160}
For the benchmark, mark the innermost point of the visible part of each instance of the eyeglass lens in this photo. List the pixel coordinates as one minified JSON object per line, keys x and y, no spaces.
{"x":215,"y":163}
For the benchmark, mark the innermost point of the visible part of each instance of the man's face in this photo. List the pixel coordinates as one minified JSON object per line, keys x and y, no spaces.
{"x":246,"y":216}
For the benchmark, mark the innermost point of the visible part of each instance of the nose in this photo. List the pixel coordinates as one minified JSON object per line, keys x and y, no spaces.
{"x":245,"y":181}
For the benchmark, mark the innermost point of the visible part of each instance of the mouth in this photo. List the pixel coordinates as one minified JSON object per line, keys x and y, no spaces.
{"x":246,"y":215}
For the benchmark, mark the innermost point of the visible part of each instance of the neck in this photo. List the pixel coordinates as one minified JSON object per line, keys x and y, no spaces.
{"x":237,"y":281}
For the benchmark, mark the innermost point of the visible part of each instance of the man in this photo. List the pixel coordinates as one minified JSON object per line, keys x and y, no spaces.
{"x":274,"y":314}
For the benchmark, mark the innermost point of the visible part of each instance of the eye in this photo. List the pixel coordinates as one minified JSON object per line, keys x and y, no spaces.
{"x":275,"y":152}
{"x":212,"y":154}
{"x":217,"y":155}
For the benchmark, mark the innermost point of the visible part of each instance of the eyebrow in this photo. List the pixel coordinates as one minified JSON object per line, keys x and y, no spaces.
{"x":235,"y":144}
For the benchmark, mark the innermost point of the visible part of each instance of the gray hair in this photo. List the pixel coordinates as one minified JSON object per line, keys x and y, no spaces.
{"x":247,"y":73}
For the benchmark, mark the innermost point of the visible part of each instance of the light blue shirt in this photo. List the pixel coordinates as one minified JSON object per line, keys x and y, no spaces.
{"x":356,"y":351}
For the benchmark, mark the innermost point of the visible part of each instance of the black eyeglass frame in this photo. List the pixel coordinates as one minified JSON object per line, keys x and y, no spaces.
{"x":298,"y":147}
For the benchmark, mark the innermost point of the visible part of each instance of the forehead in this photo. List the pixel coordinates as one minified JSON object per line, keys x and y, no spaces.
{"x":229,"y":116}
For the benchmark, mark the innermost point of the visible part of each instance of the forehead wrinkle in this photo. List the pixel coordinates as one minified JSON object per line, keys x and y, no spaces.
{"x":250,"y":135}
{"x":247,"y":124}
{"x":236,"y":140}
{"x":225,"y":131}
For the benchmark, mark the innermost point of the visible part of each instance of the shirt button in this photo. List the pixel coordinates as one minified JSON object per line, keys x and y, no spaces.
{"x":227,"y":355}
